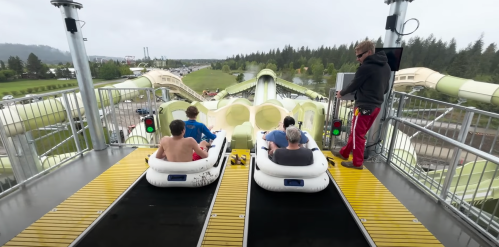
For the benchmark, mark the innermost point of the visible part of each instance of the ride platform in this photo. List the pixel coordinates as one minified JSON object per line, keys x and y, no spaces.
{"x":120,"y":208}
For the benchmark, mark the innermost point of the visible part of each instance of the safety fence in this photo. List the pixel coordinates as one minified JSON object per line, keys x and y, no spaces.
{"x":125,"y":110}
{"x":448,"y":150}
{"x":337,"y":109}
{"x":38,"y":134}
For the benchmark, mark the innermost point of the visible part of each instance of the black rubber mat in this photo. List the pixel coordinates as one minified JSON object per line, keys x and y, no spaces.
{"x":151,"y":216}
{"x":301,"y":219}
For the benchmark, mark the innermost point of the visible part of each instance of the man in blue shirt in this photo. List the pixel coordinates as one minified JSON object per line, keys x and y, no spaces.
{"x":277,"y":138}
{"x":194,"y":128}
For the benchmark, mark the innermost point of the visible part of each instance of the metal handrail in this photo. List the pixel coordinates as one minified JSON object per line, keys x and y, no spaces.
{"x":73,"y":90}
{"x":461,"y":107}
{"x":472,"y":150}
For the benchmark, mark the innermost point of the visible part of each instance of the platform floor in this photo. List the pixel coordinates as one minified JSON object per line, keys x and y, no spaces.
{"x":450,"y":231}
{"x":387,"y":221}
{"x":63,"y":224}
{"x":19,"y":210}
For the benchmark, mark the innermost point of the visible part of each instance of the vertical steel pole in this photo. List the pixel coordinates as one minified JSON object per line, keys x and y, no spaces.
{"x":463,"y":133}
{"x":399,"y":8}
{"x":395,"y":128}
{"x":82,"y":70}
{"x":165,"y":94}
{"x":72,"y":122}
{"x":12,"y":154}
{"x":113,"y":115}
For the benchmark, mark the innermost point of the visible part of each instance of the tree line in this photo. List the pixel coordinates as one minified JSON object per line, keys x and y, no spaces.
{"x":34,"y":68}
{"x":477,"y":61}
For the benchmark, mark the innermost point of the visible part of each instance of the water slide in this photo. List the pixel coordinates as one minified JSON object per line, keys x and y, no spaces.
{"x":234,"y":89}
{"x":271,"y":87}
{"x":265,"y":86}
{"x":18,"y":119}
{"x":449,"y":85}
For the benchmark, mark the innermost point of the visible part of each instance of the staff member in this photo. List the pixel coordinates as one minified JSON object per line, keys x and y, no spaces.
{"x":370,"y":84}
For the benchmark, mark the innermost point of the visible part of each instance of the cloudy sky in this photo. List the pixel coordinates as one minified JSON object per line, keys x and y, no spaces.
{"x":220,"y":28}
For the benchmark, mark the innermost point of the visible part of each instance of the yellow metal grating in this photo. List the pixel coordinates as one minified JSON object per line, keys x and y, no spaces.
{"x":387,"y":221}
{"x":226,"y":224}
{"x":63,"y":224}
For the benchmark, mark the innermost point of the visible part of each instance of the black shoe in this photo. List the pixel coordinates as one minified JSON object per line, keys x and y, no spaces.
{"x":337,"y":154}
{"x":349,"y":164}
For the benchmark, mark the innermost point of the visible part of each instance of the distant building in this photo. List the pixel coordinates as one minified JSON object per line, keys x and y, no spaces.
{"x":160,"y":63}
{"x":71,"y":70}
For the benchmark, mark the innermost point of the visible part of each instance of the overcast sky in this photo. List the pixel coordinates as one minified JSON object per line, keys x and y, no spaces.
{"x":220,"y":28}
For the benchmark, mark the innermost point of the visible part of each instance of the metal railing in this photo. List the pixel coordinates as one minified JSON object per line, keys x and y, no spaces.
{"x":425,"y":132}
{"x":187,"y":89}
{"x":123,"y":116}
{"x":39,"y":135}
{"x":340,"y":109}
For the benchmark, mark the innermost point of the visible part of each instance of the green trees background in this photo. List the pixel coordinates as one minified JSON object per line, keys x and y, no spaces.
{"x":478,"y":61}
{"x":34,"y":68}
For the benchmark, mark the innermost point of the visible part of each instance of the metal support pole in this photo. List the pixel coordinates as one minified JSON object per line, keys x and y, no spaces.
{"x":165,"y":94}
{"x":468,"y":117}
{"x":395,"y":128}
{"x":71,"y":122}
{"x":399,"y":8}
{"x":328,"y":116}
{"x":26,"y":151}
{"x":149,"y":103}
{"x":82,"y":70}
{"x":12,"y":155}
{"x":113,"y":115}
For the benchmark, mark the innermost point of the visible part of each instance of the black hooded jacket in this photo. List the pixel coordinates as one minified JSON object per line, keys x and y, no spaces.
{"x":371,"y":81}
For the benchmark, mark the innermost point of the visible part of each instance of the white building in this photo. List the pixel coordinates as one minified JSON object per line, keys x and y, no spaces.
{"x":71,"y":70}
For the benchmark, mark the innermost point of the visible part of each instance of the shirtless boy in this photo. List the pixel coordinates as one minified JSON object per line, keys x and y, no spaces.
{"x":177,"y":148}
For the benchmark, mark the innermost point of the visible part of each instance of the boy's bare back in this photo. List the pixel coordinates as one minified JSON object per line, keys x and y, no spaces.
{"x":178,"y":149}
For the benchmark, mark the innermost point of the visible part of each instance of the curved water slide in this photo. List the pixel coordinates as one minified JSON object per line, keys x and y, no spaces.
{"x":18,"y":119}
{"x":242,"y":120}
{"x":234,"y":89}
{"x":466,"y":179}
{"x":265,"y":87}
{"x":449,"y":85}
{"x":175,"y":85}
{"x":270,"y":87}
{"x":266,"y":112}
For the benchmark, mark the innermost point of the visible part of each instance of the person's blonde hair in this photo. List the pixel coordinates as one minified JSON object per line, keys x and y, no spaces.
{"x":364,"y":46}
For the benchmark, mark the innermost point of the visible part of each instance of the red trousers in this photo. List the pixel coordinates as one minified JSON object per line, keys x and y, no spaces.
{"x":357,"y":140}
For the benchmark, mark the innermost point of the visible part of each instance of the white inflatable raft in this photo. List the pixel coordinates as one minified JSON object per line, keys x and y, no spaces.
{"x":282,"y":178}
{"x":162,"y":173}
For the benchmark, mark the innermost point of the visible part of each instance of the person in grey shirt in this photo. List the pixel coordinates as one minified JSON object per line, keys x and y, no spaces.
{"x":293,"y":155}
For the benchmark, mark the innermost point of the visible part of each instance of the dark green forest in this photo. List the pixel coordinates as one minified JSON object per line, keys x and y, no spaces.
{"x":478,"y":61}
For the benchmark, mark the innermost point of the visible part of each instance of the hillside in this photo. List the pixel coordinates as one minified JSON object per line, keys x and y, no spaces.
{"x":45,"y":53}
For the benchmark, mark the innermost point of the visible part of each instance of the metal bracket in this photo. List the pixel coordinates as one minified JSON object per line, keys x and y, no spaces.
{"x":392,"y":1}
{"x":58,"y":3}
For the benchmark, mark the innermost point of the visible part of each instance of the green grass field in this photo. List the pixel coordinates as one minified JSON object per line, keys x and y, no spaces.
{"x":19,"y":88}
{"x":208,"y":79}
{"x":47,"y":143}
